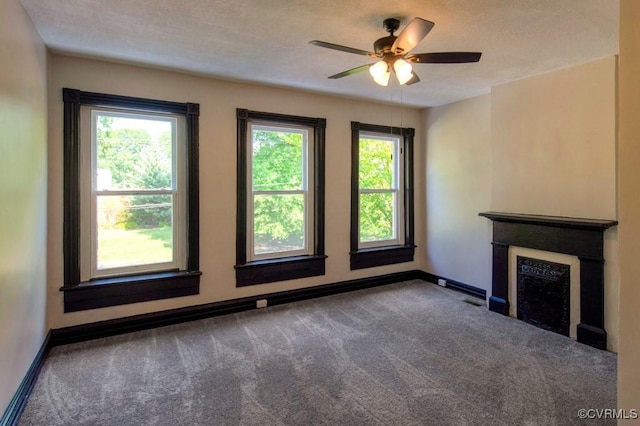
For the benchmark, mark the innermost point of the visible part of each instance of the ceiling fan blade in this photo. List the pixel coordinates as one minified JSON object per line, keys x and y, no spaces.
{"x":415,"y":79}
{"x":351,"y":71}
{"x":342,"y":48}
{"x":444,"y":57}
{"x":412,"y":34}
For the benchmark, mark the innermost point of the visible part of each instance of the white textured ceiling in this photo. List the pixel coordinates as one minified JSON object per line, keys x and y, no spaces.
{"x":266,"y":41}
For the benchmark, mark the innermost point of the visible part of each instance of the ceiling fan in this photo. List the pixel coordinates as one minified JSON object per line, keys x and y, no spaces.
{"x":393,"y":53}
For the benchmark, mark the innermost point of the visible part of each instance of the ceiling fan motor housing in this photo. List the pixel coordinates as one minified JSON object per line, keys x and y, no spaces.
{"x":383,"y":45}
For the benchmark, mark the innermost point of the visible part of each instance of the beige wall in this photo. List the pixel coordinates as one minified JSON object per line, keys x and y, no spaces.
{"x":629,"y":205}
{"x":458,"y":187}
{"x":23,"y":203}
{"x":218,"y":102}
{"x":553,"y":143}
{"x":541,"y":145}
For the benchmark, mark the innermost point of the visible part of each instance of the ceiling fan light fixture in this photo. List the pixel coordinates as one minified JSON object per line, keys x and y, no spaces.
{"x":404,"y":70}
{"x":380,"y":73}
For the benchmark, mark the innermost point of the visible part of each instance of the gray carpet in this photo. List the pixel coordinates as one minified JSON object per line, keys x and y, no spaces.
{"x":410,"y":353}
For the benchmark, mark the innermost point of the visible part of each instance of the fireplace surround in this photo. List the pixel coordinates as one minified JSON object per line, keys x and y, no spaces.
{"x":579,"y":237}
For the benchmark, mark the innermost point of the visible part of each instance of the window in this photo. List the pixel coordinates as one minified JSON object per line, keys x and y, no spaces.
{"x":131,"y":200}
{"x":280,"y":232}
{"x":280,"y":197}
{"x":133,"y":204}
{"x":381,"y":195}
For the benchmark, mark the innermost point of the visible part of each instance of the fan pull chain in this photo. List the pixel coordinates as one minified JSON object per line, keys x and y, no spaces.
{"x":391,"y":111}
{"x":401,"y":107}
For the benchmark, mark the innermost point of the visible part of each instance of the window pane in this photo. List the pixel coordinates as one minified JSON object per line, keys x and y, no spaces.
{"x":278,"y":223}
{"x":376,"y":217}
{"x":133,"y":153}
{"x":277,"y":162}
{"x":376,"y":164}
{"x":134,"y":230}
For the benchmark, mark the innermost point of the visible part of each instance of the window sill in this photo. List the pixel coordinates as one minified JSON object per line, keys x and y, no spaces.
{"x":104,"y":292}
{"x":379,"y":256}
{"x":272,"y":270}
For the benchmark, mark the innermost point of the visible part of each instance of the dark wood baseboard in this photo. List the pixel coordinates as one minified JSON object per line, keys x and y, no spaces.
{"x":96,"y":330}
{"x":455,"y":285}
{"x":19,"y":400}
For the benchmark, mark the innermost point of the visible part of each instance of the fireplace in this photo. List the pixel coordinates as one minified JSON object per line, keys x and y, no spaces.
{"x":573,"y":236}
{"x":543,"y":294}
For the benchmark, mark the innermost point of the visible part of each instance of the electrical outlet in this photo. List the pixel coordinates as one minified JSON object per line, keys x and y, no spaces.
{"x":262,"y":303}
{"x":442,"y":283}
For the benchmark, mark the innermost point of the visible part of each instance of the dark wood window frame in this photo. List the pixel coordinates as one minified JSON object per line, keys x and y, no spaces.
{"x":386,"y":255}
{"x":112,"y":291}
{"x":286,"y":268}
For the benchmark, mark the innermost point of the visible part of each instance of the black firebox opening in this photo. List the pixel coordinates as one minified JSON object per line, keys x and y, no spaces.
{"x":544,"y":294}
